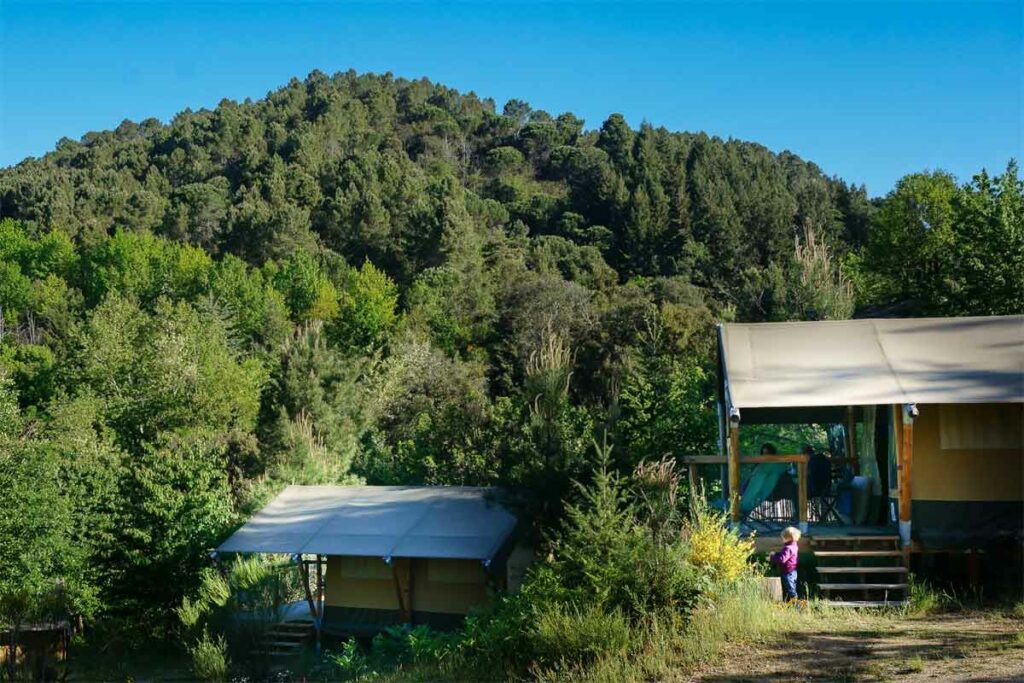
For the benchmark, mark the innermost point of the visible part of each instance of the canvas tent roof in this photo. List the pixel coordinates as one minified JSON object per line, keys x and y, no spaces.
{"x":871,"y":362}
{"x":381,"y":521}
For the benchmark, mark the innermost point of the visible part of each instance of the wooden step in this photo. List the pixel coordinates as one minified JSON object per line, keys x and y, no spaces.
{"x":282,"y":644}
{"x":815,"y":539}
{"x":295,"y":625}
{"x":862,"y":570}
{"x":858,"y":553}
{"x":859,"y":586}
{"x":867,"y":603}
{"x":284,"y":635}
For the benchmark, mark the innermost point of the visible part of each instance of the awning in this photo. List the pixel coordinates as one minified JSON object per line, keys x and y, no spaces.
{"x":871,"y":362}
{"x":380,"y":521}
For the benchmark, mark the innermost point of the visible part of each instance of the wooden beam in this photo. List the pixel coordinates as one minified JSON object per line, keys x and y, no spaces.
{"x":744,"y":460}
{"x":801,"y":487}
{"x":398,"y":587}
{"x":784,"y":459}
{"x":851,"y":440}
{"x":904,"y":468}
{"x":304,"y":573}
{"x":734,"y":473}
{"x":403,"y":591}
{"x":703,"y":460}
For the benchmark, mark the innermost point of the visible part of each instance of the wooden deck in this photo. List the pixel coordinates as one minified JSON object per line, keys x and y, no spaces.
{"x":766,"y":534}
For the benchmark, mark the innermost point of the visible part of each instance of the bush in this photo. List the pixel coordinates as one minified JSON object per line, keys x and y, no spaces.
{"x":714,"y":549}
{"x":210,"y":658}
{"x":570,"y":634}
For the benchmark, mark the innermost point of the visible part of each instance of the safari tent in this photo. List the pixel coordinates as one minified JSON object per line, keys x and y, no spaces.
{"x":385,"y":555}
{"x":930,"y":412}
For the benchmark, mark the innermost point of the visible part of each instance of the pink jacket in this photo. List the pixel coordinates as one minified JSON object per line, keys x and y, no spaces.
{"x":787,"y":557}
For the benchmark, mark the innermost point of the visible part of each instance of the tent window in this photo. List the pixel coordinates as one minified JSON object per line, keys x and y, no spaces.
{"x":980,"y":427}
{"x":364,"y":568}
{"x":454,"y":571}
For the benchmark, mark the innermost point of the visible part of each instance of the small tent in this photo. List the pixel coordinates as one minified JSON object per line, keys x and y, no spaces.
{"x":386,"y":555}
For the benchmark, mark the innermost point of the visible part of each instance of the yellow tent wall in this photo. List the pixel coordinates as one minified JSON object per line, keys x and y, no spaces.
{"x":968,"y":473}
{"x":361,"y":593}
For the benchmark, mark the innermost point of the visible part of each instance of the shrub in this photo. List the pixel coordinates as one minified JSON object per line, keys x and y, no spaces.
{"x":714,"y":549}
{"x":210,"y":658}
{"x":570,"y":634}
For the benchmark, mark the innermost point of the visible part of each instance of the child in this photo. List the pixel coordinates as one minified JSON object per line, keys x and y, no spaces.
{"x":787,"y":559}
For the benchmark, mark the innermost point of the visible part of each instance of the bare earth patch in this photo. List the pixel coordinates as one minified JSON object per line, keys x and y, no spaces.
{"x":861,"y":646}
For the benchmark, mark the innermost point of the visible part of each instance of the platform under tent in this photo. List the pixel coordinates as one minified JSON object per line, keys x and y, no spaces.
{"x":929,"y":415}
{"x":376,"y":556}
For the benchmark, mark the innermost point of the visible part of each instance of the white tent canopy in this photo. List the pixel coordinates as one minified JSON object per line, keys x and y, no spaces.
{"x":381,"y":521}
{"x":871,"y":362}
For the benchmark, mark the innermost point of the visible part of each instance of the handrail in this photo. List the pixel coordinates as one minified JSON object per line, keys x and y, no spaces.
{"x":799,"y":459}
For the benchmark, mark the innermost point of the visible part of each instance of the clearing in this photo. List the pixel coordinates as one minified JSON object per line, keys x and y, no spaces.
{"x":848,"y":645}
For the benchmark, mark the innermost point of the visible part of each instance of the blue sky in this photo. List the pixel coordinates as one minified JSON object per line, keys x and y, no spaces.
{"x":869,"y":91}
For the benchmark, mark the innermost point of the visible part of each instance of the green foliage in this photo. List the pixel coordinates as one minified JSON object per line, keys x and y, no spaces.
{"x":940,"y":248}
{"x":210,"y":661}
{"x":181,"y":332}
{"x":226,"y":620}
{"x":368,"y":310}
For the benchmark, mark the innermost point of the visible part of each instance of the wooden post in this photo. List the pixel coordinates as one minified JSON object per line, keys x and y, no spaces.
{"x":851,"y":440}
{"x":319,"y":601}
{"x":801,"y":484}
{"x":304,"y":573}
{"x":694,"y":481}
{"x":734,"y":473}
{"x":402,"y":591}
{"x":904,"y":468}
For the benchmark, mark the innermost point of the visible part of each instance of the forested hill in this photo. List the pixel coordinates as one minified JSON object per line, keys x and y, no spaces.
{"x":406,"y":173}
{"x":361,"y":278}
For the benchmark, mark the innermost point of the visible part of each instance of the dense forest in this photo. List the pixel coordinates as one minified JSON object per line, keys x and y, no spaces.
{"x":366,"y":278}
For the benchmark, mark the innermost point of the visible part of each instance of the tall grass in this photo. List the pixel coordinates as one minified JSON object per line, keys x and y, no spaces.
{"x":672,"y":646}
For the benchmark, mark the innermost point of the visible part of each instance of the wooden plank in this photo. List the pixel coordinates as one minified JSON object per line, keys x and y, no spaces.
{"x":859,"y":586}
{"x":734,"y":472}
{"x":744,"y":460}
{"x":781,"y":459}
{"x":816,"y":537}
{"x":858,"y":553}
{"x":862,"y":570}
{"x":703,"y":460}
{"x":694,"y":480}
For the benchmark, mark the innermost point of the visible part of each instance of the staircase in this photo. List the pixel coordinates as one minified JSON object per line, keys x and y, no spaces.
{"x":287,"y":638}
{"x":861,"y":571}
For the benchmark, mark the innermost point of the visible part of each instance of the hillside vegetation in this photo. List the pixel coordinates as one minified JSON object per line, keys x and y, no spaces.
{"x":364,"y":278}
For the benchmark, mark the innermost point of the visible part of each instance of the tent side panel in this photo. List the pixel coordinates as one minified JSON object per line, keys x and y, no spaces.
{"x":448,"y":586}
{"x":364,"y":582}
{"x":968,"y":477}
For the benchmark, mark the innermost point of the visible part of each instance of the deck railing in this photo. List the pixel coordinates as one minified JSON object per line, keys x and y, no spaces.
{"x":800,"y":460}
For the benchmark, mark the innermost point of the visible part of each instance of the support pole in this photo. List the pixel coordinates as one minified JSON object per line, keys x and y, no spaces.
{"x":851,"y":441}
{"x":304,"y":574}
{"x":801,"y":483}
{"x":319,"y":601}
{"x":904,"y":467}
{"x":694,"y":481}
{"x":734,"y":472}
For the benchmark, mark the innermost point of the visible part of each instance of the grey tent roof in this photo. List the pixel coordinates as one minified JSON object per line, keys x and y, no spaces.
{"x":870,"y":362}
{"x":382,"y":521}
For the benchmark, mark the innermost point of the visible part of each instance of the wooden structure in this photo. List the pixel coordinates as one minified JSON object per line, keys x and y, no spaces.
{"x":932,"y":412}
{"x":375,"y":556}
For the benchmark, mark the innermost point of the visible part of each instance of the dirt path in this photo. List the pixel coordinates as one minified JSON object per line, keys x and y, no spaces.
{"x":852,"y":646}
